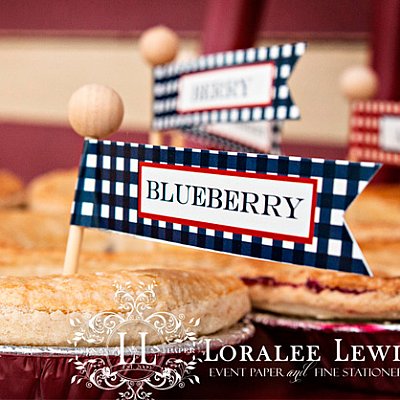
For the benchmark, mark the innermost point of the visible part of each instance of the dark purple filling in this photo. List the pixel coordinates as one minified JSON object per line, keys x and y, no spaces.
{"x":311,"y":284}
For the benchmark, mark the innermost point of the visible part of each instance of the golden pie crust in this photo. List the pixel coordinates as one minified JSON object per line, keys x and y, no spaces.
{"x":309,"y":292}
{"x":53,"y":192}
{"x":375,"y":214}
{"x":37,"y":310}
{"x":34,"y":230}
{"x":11,"y":190}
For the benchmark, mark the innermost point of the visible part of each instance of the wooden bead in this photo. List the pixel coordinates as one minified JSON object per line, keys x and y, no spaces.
{"x":95,"y":111}
{"x":359,"y":83}
{"x":159,"y":45}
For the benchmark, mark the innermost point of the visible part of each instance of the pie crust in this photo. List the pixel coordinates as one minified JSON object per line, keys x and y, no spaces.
{"x":37,"y":310}
{"x":11,"y":190}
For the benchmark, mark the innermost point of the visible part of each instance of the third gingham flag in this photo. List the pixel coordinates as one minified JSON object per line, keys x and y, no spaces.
{"x":287,"y":209}
{"x":375,"y":131}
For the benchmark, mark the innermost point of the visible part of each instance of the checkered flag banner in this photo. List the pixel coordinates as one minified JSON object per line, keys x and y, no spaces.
{"x":236,"y":86}
{"x":375,"y":131}
{"x":286,"y":209}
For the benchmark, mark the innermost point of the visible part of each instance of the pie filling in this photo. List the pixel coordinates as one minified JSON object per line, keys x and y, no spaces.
{"x":310,"y":284}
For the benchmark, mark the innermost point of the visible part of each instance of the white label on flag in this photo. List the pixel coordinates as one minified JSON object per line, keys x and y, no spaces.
{"x":389,"y":133}
{"x":242,"y":86}
{"x":278,"y":207}
{"x":257,"y":135}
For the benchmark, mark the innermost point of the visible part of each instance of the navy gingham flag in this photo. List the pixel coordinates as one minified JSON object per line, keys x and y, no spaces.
{"x":109,"y":189}
{"x":204,"y":91}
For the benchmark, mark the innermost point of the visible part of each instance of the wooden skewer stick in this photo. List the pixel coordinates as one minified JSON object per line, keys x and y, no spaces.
{"x":159,"y":45}
{"x":73,"y":250}
{"x":177,"y":139}
{"x":358,"y":82}
{"x":94,"y":111}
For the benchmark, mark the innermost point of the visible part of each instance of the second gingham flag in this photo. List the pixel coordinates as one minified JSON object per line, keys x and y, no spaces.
{"x":286,"y":209}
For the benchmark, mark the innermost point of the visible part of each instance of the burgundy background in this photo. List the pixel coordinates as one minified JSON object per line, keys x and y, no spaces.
{"x":305,"y":18}
{"x":386,"y":48}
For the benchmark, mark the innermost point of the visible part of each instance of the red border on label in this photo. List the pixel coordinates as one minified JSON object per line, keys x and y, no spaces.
{"x":239,"y":106}
{"x":207,"y":225}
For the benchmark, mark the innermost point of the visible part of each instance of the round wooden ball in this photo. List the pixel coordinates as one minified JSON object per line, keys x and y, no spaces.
{"x":159,"y":45}
{"x":95,"y":111}
{"x":359,"y":83}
